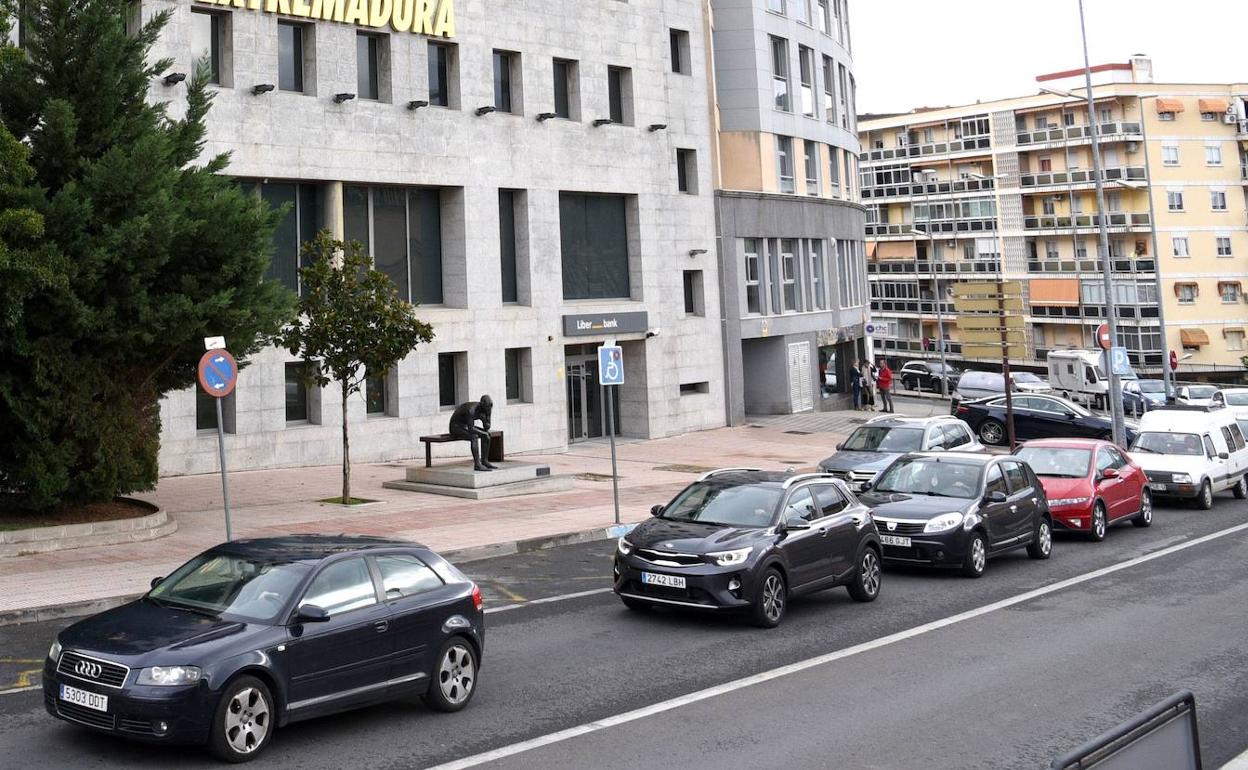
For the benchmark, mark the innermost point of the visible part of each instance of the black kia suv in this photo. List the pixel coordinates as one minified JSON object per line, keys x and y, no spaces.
{"x":749,"y":540}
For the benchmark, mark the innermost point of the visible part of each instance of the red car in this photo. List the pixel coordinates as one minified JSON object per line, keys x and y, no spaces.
{"x":1090,"y":484}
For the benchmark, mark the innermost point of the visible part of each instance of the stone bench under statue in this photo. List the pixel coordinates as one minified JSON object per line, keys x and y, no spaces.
{"x":495,"y":454}
{"x":463,"y":427}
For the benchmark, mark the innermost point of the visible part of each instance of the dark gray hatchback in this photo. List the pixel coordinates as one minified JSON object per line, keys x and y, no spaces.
{"x":744,"y":539}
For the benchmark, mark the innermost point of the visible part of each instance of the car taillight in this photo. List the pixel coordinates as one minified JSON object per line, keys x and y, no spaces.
{"x":964,"y":410}
{"x":476,"y":596}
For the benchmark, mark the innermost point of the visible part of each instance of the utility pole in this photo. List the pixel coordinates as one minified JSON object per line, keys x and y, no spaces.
{"x":931,"y":246}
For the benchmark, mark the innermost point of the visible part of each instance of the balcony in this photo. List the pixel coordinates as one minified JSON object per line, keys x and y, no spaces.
{"x":915,"y":346}
{"x":938,"y":227}
{"x":1092,"y":312}
{"x":923,"y":307}
{"x":928,"y":188}
{"x":1081,"y":177}
{"x":1108,"y":131}
{"x":911,"y":267}
{"x":1119,"y":265}
{"x":1121,"y":221}
{"x":965,"y":144}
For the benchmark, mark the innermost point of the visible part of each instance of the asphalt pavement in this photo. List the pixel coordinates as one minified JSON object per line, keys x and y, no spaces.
{"x":910,"y":681}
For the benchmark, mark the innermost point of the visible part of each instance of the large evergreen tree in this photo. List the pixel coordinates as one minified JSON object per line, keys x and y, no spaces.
{"x":118,"y":254}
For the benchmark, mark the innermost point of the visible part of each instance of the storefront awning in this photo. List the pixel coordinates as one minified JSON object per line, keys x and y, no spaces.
{"x":1212,"y":105}
{"x":1169,"y":105}
{"x":1193,"y":338}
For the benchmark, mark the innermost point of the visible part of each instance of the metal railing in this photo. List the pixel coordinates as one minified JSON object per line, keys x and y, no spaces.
{"x":1053,"y":222}
{"x":1119,"y":264}
{"x":1082,"y":176}
{"x":965,"y":144}
{"x":1077,"y":133}
{"x":939,"y":226}
{"x":929,"y":188}
{"x":912,"y":266}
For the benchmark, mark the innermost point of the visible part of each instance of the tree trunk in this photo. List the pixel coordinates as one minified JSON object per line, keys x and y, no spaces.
{"x":346,"y":452}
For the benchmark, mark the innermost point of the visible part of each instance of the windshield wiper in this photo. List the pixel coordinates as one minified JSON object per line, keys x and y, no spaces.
{"x":1145,"y":449}
{"x":189,"y":608}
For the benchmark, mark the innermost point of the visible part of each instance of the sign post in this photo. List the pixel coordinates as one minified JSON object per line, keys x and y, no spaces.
{"x":991,"y":324}
{"x":611,"y":375}
{"x":218,"y":374}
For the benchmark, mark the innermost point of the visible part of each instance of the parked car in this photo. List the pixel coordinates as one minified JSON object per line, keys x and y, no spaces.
{"x":1192,"y":453}
{"x":1090,"y":484}
{"x":1034,"y":417}
{"x":927,"y":376}
{"x":871,"y":447}
{"x":254,"y":634}
{"x":1237,"y":400}
{"x":1138,"y":396}
{"x":972,"y":385}
{"x":1195,"y":395}
{"x":957,"y":509}
{"x":1079,"y":375}
{"x":750,"y":540}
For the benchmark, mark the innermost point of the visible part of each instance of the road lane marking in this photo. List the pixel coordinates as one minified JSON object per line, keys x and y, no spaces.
{"x":766,"y":676}
{"x":549,"y":599}
{"x":13,"y":690}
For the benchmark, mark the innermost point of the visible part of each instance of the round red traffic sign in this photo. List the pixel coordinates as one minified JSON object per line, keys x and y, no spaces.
{"x":1102,"y":337}
{"x":218,"y":373}
{"x":1174,"y":360}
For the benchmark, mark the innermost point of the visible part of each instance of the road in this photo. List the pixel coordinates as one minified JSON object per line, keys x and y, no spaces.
{"x":941,"y":671}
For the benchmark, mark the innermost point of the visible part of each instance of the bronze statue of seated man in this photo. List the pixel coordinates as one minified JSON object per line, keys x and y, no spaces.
{"x":463,"y":426}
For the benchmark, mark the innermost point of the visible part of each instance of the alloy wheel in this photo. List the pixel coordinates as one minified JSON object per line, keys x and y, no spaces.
{"x":773,"y":597}
{"x":1099,"y":524}
{"x":991,"y":433}
{"x":1146,"y":508}
{"x":457,"y":674}
{"x":247,"y":720}
{"x":979,"y":554}
{"x":870,"y":573}
{"x":1045,"y":538}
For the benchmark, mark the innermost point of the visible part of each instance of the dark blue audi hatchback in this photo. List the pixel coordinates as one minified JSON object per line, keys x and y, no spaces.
{"x":254,"y":634}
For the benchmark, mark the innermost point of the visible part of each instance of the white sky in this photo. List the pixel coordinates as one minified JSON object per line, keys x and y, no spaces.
{"x":911,"y":53}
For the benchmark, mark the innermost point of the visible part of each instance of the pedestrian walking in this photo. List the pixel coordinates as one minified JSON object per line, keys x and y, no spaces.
{"x":855,"y":379}
{"x":868,"y":386}
{"x":884,"y":381}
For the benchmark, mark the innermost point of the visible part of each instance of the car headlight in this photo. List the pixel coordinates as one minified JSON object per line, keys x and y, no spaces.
{"x":169,"y":676}
{"x":729,"y":558}
{"x":1181,"y":478}
{"x":943,"y":523}
{"x":1064,"y":501}
{"x":54,"y":652}
{"x":624,"y":547}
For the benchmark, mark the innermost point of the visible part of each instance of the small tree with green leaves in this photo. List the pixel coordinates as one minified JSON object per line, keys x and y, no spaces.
{"x":352,"y":323}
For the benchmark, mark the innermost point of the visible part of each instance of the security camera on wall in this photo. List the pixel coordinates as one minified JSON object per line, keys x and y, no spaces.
{"x":653,"y":332}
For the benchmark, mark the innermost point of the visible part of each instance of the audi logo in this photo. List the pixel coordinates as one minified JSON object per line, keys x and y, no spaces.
{"x":88,"y":669}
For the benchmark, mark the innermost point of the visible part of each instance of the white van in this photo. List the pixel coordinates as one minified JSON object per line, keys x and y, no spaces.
{"x":1192,"y":452}
{"x":1080,"y":376}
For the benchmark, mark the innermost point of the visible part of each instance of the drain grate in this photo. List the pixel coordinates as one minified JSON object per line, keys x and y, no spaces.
{"x":679,"y":468}
{"x":594,"y":476}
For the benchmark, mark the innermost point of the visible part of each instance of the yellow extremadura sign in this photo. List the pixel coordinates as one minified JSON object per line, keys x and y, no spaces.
{"x":422,"y":17}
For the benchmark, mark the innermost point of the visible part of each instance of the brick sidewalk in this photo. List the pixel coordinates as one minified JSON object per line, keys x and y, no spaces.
{"x":276,"y":502}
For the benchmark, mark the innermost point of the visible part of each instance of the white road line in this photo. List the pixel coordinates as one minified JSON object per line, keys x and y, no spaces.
{"x":20,"y":689}
{"x":548,"y":600}
{"x":793,"y":668}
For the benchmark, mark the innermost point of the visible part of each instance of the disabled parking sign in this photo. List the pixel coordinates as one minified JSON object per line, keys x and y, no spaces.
{"x":611,"y":365}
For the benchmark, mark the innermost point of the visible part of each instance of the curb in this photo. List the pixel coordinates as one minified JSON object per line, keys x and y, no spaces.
{"x":455,"y":556}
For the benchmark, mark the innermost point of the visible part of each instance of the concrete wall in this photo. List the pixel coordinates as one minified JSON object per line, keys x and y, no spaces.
{"x":308,"y":137}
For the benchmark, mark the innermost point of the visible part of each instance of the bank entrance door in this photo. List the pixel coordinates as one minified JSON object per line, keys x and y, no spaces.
{"x":586,"y":418}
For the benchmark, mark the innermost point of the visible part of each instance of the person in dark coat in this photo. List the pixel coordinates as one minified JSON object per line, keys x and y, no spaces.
{"x":855,"y":377}
{"x":463,"y":426}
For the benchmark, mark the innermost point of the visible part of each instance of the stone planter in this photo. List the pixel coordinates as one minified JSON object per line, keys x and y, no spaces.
{"x":60,"y":537}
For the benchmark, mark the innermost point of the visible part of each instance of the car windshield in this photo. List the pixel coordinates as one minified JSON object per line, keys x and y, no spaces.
{"x":881,"y":439}
{"x":1169,"y":444}
{"x":1237,"y":398}
{"x":1201,"y":391}
{"x":1026,"y":377}
{"x":224,"y":584}
{"x":1243,"y":426}
{"x":1156,"y":386}
{"x":735,"y":505}
{"x":1057,"y":461}
{"x":922,"y":476}
{"x":938,"y":368}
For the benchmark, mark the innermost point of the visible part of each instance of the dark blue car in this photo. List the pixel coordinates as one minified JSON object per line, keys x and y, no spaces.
{"x":254,"y":634}
{"x":1035,"y":416}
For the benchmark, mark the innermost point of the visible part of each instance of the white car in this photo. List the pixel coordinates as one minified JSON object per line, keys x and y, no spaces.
{"x":1237,"y":400}
{"x":1196,"y":395}
{"x":1192,"y":453}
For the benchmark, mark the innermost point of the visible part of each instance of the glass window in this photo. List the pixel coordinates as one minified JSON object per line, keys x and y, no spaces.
{"x":814,"y":250}
{"x":801,"y":505}
{"x":594,"y":245}
{"x":512,"y":372}
{"x":955,"y":436}
{"x":1170,"y":154}
{"x":753,"y":303}
{"x":290,"y":56}
{"x":1016,"y":476}
{"x":507,"y":243}
{"x":1186,"y":293}
{"x":1217,"y":200}
{"x":686,"y":171}
{"x":719,"y":502}
{"x":788,"y":266}
{"x":829,"y":90}
{"x":692,"y":280}
{"x":1179,"y":244}
{"x":448,"y":387}
{"x":1234,"y":339}
{"x":810,"y":151}
{"x":563,"y":73}
{"x":775,"y":6}
{"x":440,"y":63}
{"x":297,"y":391}
{"x":207,"y":32}
{"x":831,"y":500}
{"x":1213,"y":155}
{"x":801,"y":11}
{"x":995,"y":481}
{"x":1210,"y":450}
{"x":806,"y":74}
{"x":401,"y":228}
{"x":780,"y":72}
{"x":366,"y":66}
{"x":823,"y":17}
{"x":1174,"y":200}
{"x":784,"y":159}
{"x":502,"y":80}
{"x":1168,"y":443}
{"x":922,"y":476}
{"x":1053,"y":461}
{"x":679,"y":44}
{"x":375,"y":394}
{"x":619,"y":94}
{"x":882,"y":439}
{"x":404,"y":575}
{"x":1224,"y":245}
{"x":233,"y":586}
{"x":341,"y":587}
{"x":1229,"y":291}
{"x":834,"y":171}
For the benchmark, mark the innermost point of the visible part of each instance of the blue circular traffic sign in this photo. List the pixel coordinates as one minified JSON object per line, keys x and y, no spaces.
{"x":218,"y":373}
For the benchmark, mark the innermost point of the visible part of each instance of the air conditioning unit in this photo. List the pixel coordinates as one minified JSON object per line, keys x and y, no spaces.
{"x":1133,"y":147}
{"x":1230,"y":119}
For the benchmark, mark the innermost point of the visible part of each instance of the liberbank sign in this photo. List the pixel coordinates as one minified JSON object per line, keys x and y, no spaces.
{"x":421,"y":17}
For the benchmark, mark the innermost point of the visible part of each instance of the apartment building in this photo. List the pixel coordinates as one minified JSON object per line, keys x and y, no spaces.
{"x":791,"y":248}
{"x":539,"y":182}
{"x":1006,"y":189}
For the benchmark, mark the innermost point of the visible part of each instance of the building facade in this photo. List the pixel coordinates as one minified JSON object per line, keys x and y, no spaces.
{"x":1006,"y":189}
{"x":791,"y":244}
{"x":538,"y":182}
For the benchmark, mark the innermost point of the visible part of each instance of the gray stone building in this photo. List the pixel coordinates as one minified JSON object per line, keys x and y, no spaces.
{"x":538,"y":179}
{"x":792,"y":261}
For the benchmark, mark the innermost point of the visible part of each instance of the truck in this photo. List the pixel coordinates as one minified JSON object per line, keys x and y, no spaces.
{"x":1080,"y":375}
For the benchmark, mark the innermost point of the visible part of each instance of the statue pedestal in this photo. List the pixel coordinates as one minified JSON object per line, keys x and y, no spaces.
{"x":460,"y":480}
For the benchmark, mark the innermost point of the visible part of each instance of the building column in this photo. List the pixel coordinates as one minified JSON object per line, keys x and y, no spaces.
{"x":332,"y":210}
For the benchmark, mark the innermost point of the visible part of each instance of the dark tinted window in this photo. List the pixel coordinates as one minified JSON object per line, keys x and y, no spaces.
{"x":289,"y":57}
{"x":404,"y":575}
{"x":830,"y":499}
{"x":801,"y":505}
{"x":562,"y":74}
{"x":507,"y":243}
{"x":594,"y":243}
{"x":1237,"y":435}
{"x":956,"y":436}
{"x":1017,"y":477}
{"x":439,"y":74}
{"x":502,"y":81}
{"x":296,"y":391}
{"x":742,"y":505}
{"x":341,"y":587}
{"x":1209,"y":448}
{"x":366,"y":75}
{"x":996,"y":481}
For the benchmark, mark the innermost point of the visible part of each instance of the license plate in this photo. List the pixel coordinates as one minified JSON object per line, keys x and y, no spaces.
{"x":671,"y":581}
{"x":1157,"y":485}
{"x":83,"y":698}
{"x":903,"y":542}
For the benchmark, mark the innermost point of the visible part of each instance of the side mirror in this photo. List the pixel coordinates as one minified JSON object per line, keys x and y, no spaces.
{"x":796,"y":523}
{"x":996,"y":496}
{"x":1223,"y":456}
{"x":840,"y":446}
{"x":655,"y":510}
{"x":156,"y":581}
{"x":1109,"y":473}
{"x":865,"y":486}
{"x":310,"y":613}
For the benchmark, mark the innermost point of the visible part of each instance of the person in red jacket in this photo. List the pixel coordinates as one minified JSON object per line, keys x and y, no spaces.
{"x":884,"y":382}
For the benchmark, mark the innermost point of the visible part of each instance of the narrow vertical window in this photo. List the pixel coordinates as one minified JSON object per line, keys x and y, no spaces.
{"x":440,"y":74}
{"x":366,"y":64}
{"x":289,"y":56}
{"x":784,"y":161}
{"x":502,"y":81}
{"x":811,"y":152}
{"x":679,"y":50}
{"x":507,"y":243}
{"x":780,"y":73}
{"x":562,"y":71}
{"x":206,"y":43}
{"x":619,"y":95}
